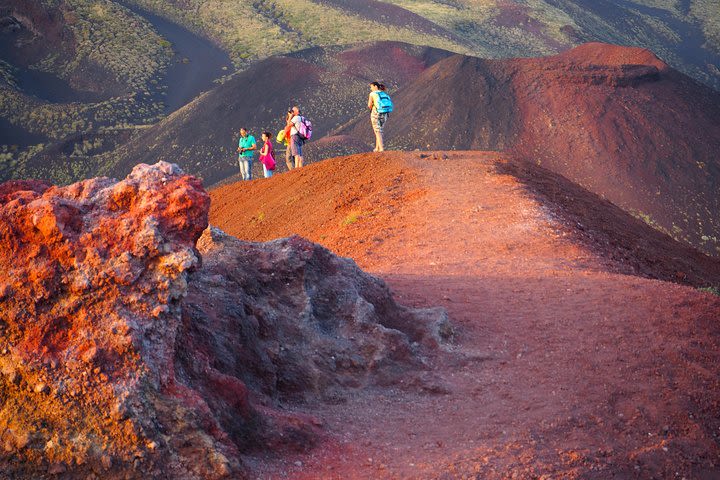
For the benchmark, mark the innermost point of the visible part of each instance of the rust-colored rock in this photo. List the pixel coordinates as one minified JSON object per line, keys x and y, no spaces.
{"x":93,"y":275}
{"x":121,"y":356}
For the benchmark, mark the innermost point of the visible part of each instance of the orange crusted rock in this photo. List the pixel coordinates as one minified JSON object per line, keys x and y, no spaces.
{"x":93,"y":276}
{"x":123,"y":355}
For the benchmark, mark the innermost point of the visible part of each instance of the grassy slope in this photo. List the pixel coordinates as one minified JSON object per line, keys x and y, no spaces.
{"x":258,"y":29}
{"x":488,"y":28}
{"x":707,"y":12}
{"x":106,"y":38}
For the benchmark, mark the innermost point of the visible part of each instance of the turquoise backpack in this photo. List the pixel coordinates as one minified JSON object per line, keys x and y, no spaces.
{"x":384,"y":104}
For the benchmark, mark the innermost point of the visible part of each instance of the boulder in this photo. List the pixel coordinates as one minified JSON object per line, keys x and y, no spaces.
{"x":132,"y":344}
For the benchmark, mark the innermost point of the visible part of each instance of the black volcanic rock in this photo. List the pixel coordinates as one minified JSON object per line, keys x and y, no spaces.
{"x":299,"y":323}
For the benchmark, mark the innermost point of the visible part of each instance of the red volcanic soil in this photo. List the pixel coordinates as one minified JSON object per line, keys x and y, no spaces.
{"x":378,"y":60}
{"x":616,"y":120}
{"x":571,"y":360}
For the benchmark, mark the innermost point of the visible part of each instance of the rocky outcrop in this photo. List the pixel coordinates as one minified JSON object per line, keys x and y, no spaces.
{"x":313,"y":324}
{"x":123,"y":354}
{"x":93,"y":275}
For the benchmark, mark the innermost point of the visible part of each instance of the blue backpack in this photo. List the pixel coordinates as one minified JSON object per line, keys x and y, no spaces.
{"x":384,"y":104}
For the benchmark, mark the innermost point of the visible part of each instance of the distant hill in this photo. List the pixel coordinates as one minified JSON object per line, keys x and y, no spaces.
{"x":616,"y":120}
{"x":686,"y":34}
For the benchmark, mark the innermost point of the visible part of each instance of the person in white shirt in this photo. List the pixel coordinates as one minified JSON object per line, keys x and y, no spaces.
{"x":296,"y":142}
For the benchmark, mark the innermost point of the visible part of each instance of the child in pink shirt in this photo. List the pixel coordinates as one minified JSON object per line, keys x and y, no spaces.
{"x":267,"y":157}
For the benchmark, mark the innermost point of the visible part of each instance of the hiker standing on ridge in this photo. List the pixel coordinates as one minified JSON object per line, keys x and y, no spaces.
{"x":300,"y":132}
{"x":380,"y":107}
{"x":246,"y":150}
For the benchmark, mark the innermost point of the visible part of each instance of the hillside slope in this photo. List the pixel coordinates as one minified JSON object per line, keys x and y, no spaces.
{"x":568,"y":362}
{"x":616,"y":120}
{"x":77,"y":76}
{"x":330,"y":84}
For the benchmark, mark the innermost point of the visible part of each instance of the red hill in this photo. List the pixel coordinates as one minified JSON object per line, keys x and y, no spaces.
{"x":616,"y":120}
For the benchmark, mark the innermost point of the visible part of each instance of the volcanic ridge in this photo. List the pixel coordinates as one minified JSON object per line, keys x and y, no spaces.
{"x":616,"y":120}
{"x":578,"y":352}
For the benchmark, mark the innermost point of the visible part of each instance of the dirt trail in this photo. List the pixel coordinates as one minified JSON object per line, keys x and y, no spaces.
{"x":562,"y":368}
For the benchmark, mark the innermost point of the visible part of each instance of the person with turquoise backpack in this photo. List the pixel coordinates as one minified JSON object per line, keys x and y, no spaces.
{"x":380,"y":106}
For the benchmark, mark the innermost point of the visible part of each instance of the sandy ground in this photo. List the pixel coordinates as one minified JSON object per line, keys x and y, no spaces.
{"x":561,"y":368}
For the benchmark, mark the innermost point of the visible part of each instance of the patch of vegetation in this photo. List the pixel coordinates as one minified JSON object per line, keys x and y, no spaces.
{"x":713,"y":290}
{"x":674,"y":233}
{"x":352,"y":217}
{"x":56,"y":121}
{"x":258,"y":29}
{"x":707,"y":13}
{"x":108,"y":35}
{"x":7,"y":74}
{"x":476,"y":23}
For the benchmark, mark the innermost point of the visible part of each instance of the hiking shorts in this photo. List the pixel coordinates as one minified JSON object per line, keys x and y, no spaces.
{"x":377,"y":120}
{"x":296,"y":146}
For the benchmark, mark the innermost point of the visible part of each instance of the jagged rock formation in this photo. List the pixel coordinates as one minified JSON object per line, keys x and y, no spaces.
{"x":124,"y":355}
